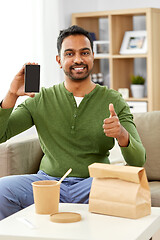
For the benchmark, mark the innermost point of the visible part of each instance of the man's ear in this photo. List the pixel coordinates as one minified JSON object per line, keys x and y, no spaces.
{"x":58,"y":59}
{"x":93,"y":54}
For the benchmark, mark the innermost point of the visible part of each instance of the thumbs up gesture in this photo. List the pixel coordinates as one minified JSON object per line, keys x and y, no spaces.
{"x":113,"y":128}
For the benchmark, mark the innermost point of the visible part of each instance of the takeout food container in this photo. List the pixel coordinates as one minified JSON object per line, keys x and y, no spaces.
{"x":46,"y":196}
{"x":121,"y":191}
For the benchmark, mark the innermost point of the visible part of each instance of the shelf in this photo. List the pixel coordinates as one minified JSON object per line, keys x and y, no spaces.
{"x":103,"y":57}
{"x":126,"y":12}
{"x":118,"y":56}
{"x":130,"y":56}
{"x":116,"y":68}
{"x":137,"y":99}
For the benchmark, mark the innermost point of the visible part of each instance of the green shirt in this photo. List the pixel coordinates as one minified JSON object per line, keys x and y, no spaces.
{"x":71,"y":136}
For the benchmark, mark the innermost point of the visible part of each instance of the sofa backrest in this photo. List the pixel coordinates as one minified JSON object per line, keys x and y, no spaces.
{"x":148,"y":127}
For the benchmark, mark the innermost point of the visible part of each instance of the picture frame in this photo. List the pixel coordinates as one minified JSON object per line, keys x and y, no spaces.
{"x":134,"y":42}
{"x":101,"y":48}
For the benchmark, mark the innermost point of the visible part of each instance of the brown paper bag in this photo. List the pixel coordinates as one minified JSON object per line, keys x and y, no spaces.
{"x":121,"y":191}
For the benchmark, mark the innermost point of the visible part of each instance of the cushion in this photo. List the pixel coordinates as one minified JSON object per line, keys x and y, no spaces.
{"x":3,"y":160}
{"x":148,"y":127}
{"x":20,"y":156}
{"x":155,"y":193}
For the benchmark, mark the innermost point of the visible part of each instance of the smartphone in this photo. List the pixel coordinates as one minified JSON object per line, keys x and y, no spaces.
{"x":32,"y":78}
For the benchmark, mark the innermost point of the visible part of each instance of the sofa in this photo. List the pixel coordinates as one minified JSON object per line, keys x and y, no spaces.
{"x":23,"y":155}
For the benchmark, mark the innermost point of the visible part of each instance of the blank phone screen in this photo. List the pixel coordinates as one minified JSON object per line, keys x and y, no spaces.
{"x":32,"y":78}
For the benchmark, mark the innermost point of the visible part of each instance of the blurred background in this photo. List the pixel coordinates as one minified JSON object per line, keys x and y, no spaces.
{"x":29,"y":30}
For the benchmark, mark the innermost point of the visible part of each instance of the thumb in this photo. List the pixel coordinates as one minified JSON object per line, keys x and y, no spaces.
{"x":112,"y":111}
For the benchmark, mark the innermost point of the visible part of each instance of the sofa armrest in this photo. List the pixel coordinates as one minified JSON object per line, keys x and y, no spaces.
{"x":20,"y":156}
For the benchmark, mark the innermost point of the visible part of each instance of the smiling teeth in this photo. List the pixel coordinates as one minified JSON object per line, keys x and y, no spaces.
{"x":78,"y":69}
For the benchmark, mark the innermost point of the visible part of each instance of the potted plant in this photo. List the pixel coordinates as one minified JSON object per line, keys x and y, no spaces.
{"x":137,"y":86}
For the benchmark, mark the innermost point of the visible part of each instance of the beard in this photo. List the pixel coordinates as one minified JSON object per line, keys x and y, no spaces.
{"x":79,"y":76}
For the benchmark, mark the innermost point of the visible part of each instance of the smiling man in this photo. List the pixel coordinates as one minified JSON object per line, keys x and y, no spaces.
{"x":77,"y":123}
{"x":75,"y":59}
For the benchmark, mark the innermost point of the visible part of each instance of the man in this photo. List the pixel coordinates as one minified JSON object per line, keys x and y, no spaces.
{"x":76,"y":122}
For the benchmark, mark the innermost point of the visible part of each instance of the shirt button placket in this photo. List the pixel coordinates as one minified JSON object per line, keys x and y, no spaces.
{"x":72,"y":129}
{"x":74,"y":122}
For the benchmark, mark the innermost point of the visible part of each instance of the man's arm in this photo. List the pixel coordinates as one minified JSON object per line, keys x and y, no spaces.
{"x":127,"y":137}
{"x":12,"y":124}
{"x":9,"y":101}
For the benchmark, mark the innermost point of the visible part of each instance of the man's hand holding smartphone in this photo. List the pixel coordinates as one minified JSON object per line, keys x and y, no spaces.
{"x":20,"y":83}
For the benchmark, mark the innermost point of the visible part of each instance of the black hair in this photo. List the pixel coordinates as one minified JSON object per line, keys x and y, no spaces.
{"x":73,"y":30}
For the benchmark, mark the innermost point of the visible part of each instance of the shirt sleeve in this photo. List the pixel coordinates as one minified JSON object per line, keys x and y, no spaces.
{"x":134,"y":154}
{"x":13,"y":122}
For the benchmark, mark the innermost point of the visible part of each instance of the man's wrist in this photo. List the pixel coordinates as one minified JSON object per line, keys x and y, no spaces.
{"x":123,"y":140}
{"x":9,"y":101}
{"x":12,"y":94}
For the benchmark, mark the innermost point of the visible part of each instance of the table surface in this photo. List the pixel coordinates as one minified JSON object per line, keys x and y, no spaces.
{"x":27,"y":225}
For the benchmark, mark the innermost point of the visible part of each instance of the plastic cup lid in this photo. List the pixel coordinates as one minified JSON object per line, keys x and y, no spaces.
{"x":65,"y":217}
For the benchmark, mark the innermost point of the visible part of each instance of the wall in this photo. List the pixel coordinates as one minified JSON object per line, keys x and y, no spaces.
{"x":70,"y":6}
{"x":16,"y":39}
{"x":49,"y":17}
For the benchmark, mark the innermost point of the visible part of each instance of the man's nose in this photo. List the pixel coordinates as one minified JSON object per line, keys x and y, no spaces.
{"x":78,"y":59}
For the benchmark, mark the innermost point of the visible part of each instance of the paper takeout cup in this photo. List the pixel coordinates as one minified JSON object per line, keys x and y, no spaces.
{"x":46,"y":196}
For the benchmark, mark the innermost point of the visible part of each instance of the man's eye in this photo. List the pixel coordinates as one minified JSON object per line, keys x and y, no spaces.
{"x":85,"y":53}
{"x":69,"y":54}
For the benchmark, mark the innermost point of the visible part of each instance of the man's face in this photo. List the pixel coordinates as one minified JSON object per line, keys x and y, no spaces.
{"x":76,"y":57}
